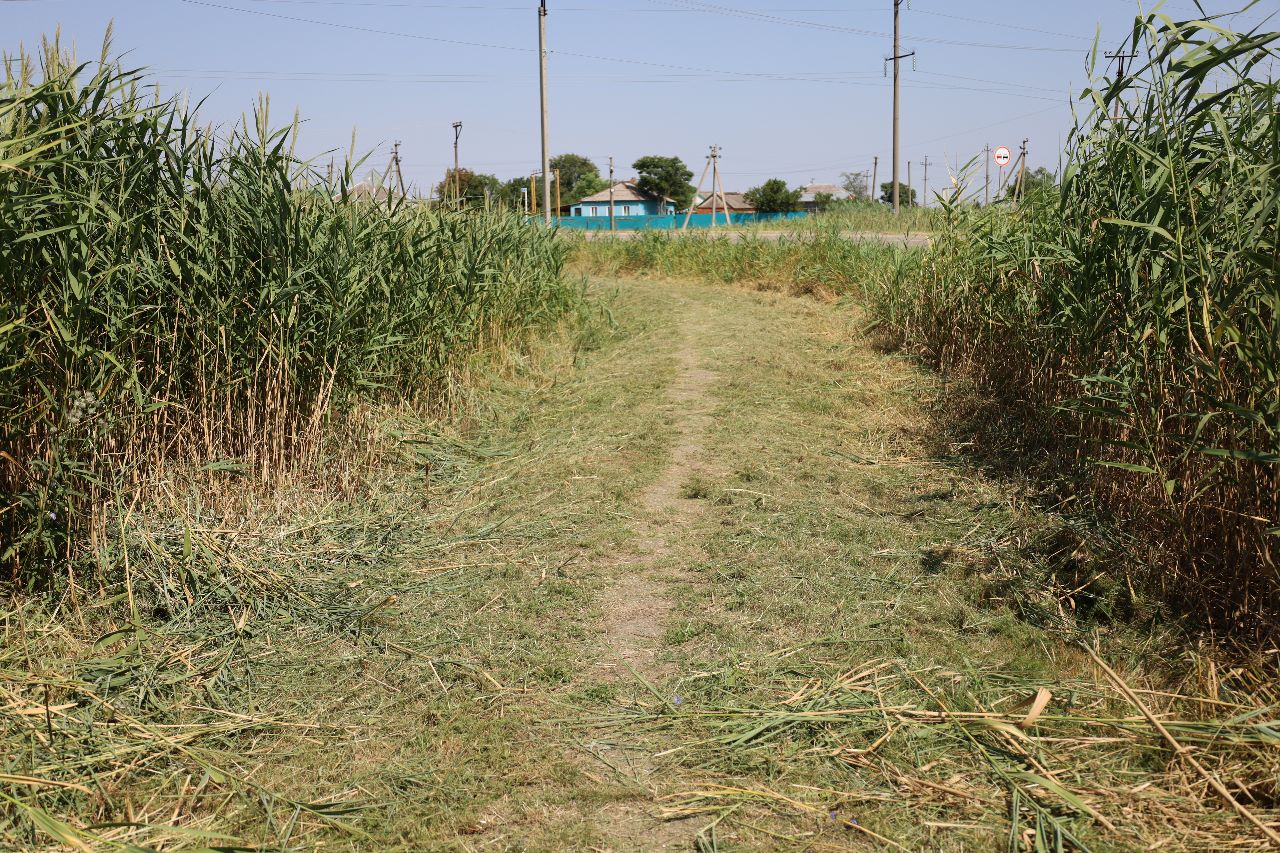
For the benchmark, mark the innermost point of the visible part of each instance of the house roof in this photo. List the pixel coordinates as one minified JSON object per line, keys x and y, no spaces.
{"x":733,"y":201}
{"x":623,"y":191}
{"x":366,"y":190}
{"x":813,"y":190}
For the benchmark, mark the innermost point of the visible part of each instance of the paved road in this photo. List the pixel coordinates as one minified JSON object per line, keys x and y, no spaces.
{"x":914,"y":240}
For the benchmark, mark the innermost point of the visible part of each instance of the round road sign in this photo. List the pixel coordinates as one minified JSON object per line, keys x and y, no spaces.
{"x":1003,"y":156}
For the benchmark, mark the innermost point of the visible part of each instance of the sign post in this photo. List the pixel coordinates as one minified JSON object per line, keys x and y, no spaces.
{"x":1002,"y":157}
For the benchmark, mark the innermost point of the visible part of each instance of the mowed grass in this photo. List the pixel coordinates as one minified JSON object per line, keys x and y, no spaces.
{"x":388,"y":692}
{"x":866,"y":622}
{"x":860,"y":651}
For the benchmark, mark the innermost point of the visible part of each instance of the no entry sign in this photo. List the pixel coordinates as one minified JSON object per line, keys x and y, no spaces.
{"x":1003,"y":156}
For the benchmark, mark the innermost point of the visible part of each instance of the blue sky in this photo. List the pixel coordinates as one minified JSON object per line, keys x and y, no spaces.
{"x":793,"y":90}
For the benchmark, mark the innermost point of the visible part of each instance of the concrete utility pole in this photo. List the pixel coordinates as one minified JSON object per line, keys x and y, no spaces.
{"x":986,"y":195}
{"x":613,"y":225}
{"x":542,"y":85}
{"x":457,"y":178}
{"x":898,"y":56}
{"x":395,"y":166}
{"x":875,"y":176}
{"x":925,"y":191}
{"x":717,"y":187}
{"x":697,"y":194}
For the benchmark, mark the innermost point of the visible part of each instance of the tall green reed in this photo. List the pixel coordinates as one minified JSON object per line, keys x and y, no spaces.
{"x":171,"y":294}
{"x":1132,"y":315}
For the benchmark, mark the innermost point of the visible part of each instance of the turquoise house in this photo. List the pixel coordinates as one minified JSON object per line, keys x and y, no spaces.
{"x":628,"y":200}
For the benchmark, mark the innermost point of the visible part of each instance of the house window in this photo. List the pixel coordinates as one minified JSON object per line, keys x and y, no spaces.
{"x":626,"y":210}
{"x":595,"y":211}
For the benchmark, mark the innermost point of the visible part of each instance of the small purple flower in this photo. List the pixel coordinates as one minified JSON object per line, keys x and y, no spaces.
{"x":676,"y":700}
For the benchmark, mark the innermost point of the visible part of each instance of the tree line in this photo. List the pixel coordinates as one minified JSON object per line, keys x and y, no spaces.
{"x":669,"y":177}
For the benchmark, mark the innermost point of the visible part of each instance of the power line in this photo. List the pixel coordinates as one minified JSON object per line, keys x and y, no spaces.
{"x":1004,"y":24}
{"x":513,"y":48}
{"x":709,"y":75}
{"x":712,"y":8}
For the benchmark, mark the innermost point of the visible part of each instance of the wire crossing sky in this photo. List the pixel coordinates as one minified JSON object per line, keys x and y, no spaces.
{"x":792,"y":91}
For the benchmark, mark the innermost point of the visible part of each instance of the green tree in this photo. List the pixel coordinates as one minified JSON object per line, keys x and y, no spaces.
{"x":665,"y":176}
{"x":511,"y":194}
{"x":773,"y":197}
{"x":474,"y":187}
{"x":906,"y":195}
{"x":586,"y":185}
{"x":1034,"y":181}
{"x":856,"y":185}
{"x":579,"y":177}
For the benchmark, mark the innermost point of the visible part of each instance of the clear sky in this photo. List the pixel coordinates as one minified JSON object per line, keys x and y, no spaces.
{"x":793,"y":90}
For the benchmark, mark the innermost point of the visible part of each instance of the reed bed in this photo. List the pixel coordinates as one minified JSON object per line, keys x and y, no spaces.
{"x":1124,"y":326}
{"x":176,"y":296}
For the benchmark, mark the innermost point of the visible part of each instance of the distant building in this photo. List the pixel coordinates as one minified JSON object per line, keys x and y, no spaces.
{"x":370,"y":189}
{"x":809,"y":196}
{"x":628,"y":200}
{"x":732,"y":202}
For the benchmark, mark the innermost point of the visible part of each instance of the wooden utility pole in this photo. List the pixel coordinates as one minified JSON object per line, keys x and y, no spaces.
{"x":542,"y":86}
{"x":457,"y":178}
{"x":1121,"y":59}
{"x":533,"y":192}
{"x":986,"y":196}
{"x":875,"y":175}
{"x":898,"y":56}
{"x":1022,"y":172}
{"x":613,"y":225}
{"x":925,"y":192}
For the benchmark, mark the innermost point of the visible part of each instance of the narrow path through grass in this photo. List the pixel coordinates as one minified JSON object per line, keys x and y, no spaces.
{"x":714,"y":585}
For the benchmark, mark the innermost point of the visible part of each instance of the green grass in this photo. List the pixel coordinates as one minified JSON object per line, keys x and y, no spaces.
{"x":853,"y":580}
{"x":370,"y":689}
{"x":821,"y":261}
{"x":396,"y":640}
{"x":425,"y":676}
{"x":865,"y":217}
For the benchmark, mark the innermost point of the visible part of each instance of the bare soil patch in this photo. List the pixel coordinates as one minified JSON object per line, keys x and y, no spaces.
{"x":637,"y":606}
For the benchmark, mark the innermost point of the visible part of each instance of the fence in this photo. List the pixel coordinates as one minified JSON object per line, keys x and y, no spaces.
{"x":669,"y":223}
